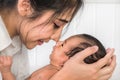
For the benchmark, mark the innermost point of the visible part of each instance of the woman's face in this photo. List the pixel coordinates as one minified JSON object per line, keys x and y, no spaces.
{"x":36,"y":32}
{"x":62,"y":49}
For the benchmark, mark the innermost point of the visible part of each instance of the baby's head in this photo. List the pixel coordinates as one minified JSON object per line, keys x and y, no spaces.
{"x":74,"y":44}
{"x":88,"y":41}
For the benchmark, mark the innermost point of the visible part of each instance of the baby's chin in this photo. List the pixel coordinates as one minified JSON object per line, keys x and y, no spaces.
{"x":58,"y":65}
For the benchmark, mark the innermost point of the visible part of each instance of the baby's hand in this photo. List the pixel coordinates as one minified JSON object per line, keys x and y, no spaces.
{"x":5,"y":63}
{"x":57,"y":59}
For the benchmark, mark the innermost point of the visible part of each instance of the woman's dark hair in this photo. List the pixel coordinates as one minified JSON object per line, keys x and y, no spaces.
{"x":59,"y":6}
{"x":39,"y":6}
{"x":89,"y":41}
{"x":7,"y":4}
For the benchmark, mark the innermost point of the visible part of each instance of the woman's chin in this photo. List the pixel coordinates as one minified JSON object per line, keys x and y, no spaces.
{"x":31,"y":46}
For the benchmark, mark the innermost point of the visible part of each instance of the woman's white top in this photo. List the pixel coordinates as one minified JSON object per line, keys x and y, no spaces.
{"x":14,"y":47}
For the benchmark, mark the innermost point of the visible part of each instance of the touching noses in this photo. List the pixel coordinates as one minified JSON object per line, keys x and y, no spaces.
{"x":59,"y":43}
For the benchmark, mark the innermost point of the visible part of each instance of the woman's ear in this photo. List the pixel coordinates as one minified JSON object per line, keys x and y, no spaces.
{"x":24,"y":7}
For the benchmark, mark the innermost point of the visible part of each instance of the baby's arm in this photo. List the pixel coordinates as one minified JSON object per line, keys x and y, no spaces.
{"x":44,"y":73}
{"x":5,"y":68}
{"x":48,"y":71}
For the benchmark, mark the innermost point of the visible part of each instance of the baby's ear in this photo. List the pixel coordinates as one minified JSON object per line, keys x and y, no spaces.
{"x":24,"y":7}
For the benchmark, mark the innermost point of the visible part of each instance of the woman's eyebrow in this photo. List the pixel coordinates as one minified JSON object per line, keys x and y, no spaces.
{"x":63,"y":20}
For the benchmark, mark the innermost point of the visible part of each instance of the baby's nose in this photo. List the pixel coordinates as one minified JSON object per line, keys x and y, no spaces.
{"x":59,"y":43}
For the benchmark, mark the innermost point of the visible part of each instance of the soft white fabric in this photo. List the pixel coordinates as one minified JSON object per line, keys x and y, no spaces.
{"x":13,"y":47}
{"x":4,"y":36}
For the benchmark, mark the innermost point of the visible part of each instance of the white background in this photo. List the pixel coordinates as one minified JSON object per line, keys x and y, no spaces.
{"x":100,"y":18}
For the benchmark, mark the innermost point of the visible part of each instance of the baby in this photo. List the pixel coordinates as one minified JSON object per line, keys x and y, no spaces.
{"x":62,"y":51}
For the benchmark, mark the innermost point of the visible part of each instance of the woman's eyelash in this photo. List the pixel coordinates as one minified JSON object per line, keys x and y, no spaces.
{"x":56,"y":26}
{"x":62,"y":45}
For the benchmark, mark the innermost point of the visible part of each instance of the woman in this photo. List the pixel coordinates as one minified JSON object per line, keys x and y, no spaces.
{"x":34,"y":22}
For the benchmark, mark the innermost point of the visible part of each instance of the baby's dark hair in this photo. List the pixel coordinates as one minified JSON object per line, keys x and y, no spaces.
{"x":89,"y":41}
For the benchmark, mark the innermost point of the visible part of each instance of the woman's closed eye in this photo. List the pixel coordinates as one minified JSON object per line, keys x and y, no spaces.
{"x":59,"y":22}
{"x":62,"y":45}
{"x":56,"y":26}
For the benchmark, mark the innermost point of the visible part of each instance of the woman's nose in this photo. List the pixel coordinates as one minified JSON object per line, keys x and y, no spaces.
{"x":56,"y":36}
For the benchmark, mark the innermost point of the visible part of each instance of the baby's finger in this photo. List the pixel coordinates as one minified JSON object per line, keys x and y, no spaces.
{"x":1,"y":60}
{"x":9,"y":58}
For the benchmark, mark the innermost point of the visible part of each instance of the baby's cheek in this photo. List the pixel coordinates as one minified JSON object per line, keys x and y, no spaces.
{"x":53,"y":56}
{"x":65,"y":59}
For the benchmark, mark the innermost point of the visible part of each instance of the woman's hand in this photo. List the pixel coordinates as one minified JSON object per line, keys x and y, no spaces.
{"x":106,"y":72}
{"x":76,"y":69}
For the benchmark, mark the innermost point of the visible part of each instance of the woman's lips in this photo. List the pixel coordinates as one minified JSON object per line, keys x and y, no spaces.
{"x":40,"y":42}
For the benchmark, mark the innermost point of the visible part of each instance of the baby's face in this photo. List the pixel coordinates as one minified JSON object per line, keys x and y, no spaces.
{"x":62,"y":49}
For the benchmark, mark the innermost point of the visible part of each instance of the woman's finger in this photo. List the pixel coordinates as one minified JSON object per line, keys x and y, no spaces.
{"x":106,"y":77}
{"x":108,"y":69}
{"x":108,"y":50}
{"x":102,"y":62}
{"x":80,"y":56}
